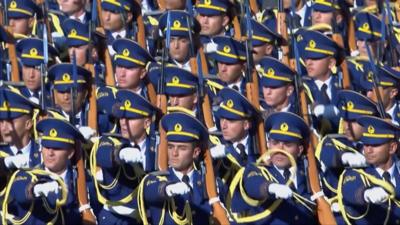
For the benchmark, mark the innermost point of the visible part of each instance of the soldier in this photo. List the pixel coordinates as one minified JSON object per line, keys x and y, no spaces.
{"x":117,"y":17}
{"x":388,"y":86}
{"x":265,"y":41}
{"x":370,"y":195}
{"x":277,"y":187}
{"x":180,"y":41}
{"x":124,"y":160}
{"x":177,"y":195}
{"x":32,"y":57}
{"x":130,"y":66}
{"x":47,"y":194}
{"x":16,"y":128}
{"x":22,"y":15}
{"x":237,"y":118}
{"x":74,"y":108}
{"x":231,"y":63}
{"x":75,"y":9}
{"x":321,"y":55}
{"x":337,"y":151}
{"x":277,"y":86}
{"x":367,"y":30}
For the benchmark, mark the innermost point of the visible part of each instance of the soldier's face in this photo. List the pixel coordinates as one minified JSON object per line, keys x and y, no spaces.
{"x":15,"y":130}
{"x":134,"y":129}
{"x":319,"y":68}
{"x":363,"y":49}
{"x":80,"y":54}
{"x":56,"y":160}
{"x":380,"y":155}
{"x":129,"y":78}
{"x":212,"y":25}
{"x":388,"y":94}
{"x":186,"y":101}
{"x":31,"y":77}
{"x":64,"y":99}
{"x":234,"y":130}
{"x":20,"y":25}
{"x":71,"y":6}
{"x":179,"y":48}
{"x":277,"y":97}
{"x":321,"y":17}
{"x":175,"y":4}
{"x":280,"y":160}
{"x":181,"y":155}
{"x":261,"y":51}
{"x":352,"y":130}
{"x":230,"y":73}
{"x":111,"y":21}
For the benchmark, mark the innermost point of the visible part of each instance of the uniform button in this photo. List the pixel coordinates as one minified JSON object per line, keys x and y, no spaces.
{"x":67,"y":210}
{"x":397,"y":221}
{"x":296,"y":217}
{"x":193,"y":213}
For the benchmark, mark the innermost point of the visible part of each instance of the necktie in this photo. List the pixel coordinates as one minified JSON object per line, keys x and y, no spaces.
{"x":235,"y":87}
{"x":242,"y":153}
{"x":386,"y":177}
{"x":19,"y":152}
{"x":286,"y":175}
{"x":35,"y":94}
{"x":325,"y":97}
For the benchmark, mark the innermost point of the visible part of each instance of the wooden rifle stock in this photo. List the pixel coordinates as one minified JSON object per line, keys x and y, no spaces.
{"x":12,"y":55}
{"x":282,"y":29}
{"x":162,"y":147}
{"x":254,"y":6}
{"x":219,"y":213}
{"x":87,"y":215}
{"x":345,"y":71}
{"x":92,"y":99}
{"x":351,"y":33}
{"x":106,"y":57}
{"x":141,"y":36}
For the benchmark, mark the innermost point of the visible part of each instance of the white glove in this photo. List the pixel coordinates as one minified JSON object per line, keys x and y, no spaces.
{"x":20,"y":161}
{"x":34,"y":100}
{"x":375,"y":195}
{"x":280,"y":191}
{"x":210,"y":47}
{"x":217,"y":151}
{"x":45,"y":189}
{"x":354,"y":159}
{"x":325,"y":110}
{"x":87,"y":132}
{"x":179,"y":188}
{"x":130,"y":155}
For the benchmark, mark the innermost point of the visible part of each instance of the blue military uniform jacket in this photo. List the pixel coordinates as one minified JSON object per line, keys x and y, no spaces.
{"x":22,"y":197}
{"x":358,"y":68}
{"x":119,"y":180}
{"x":329,"y":152}
{"x":155,"y":198}
{"x":289,"y":211}
{"x":35,"y":156}
{"x":353,"y":186}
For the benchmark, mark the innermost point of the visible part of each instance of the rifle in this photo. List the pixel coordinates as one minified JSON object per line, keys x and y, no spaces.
{"x":337,"y":37}
{"x":105,"y":54}
{"x":12,"y":55}
{"x":324,"y":212}
{"x":162,"y":99}
{"x":252,"y":88}
{"x":197,"y":66}
{"x":84,"y":206}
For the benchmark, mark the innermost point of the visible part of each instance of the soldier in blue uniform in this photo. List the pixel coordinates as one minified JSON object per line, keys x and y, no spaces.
{"x":367,"y":30}
{"x":124,"y":160}
{"x":117,"y":17}
{"x":21,"y":17}
{"x":75,"y":9}
{"x":276,"y":193}
{"x":62,"y":80}
{"x":231,"y":63}
{"x":130,"y":72}
{"x":388,"y":83}
{"x":30,"y":51}
{"x":237,"y":118}
{"x":177,"y":196}
{"x":277,"y":81}
{"x":322,"y":55}
{"x":17,"y":131}
{"x":264,"y":40}
{"x":337,"y":151}
{"x":180,"y":42}
{"x":48,"y":193}
{"x":371,"y":195}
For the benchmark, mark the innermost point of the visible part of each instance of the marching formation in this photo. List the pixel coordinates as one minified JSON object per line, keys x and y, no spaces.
{"x":199,"y":112}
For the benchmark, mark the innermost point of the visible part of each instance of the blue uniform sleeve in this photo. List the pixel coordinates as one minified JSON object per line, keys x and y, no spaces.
{"x":353,"y":188}
{"x":22,"y":188}
{"x":255,"y":184}
{"x":154,"y":189}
